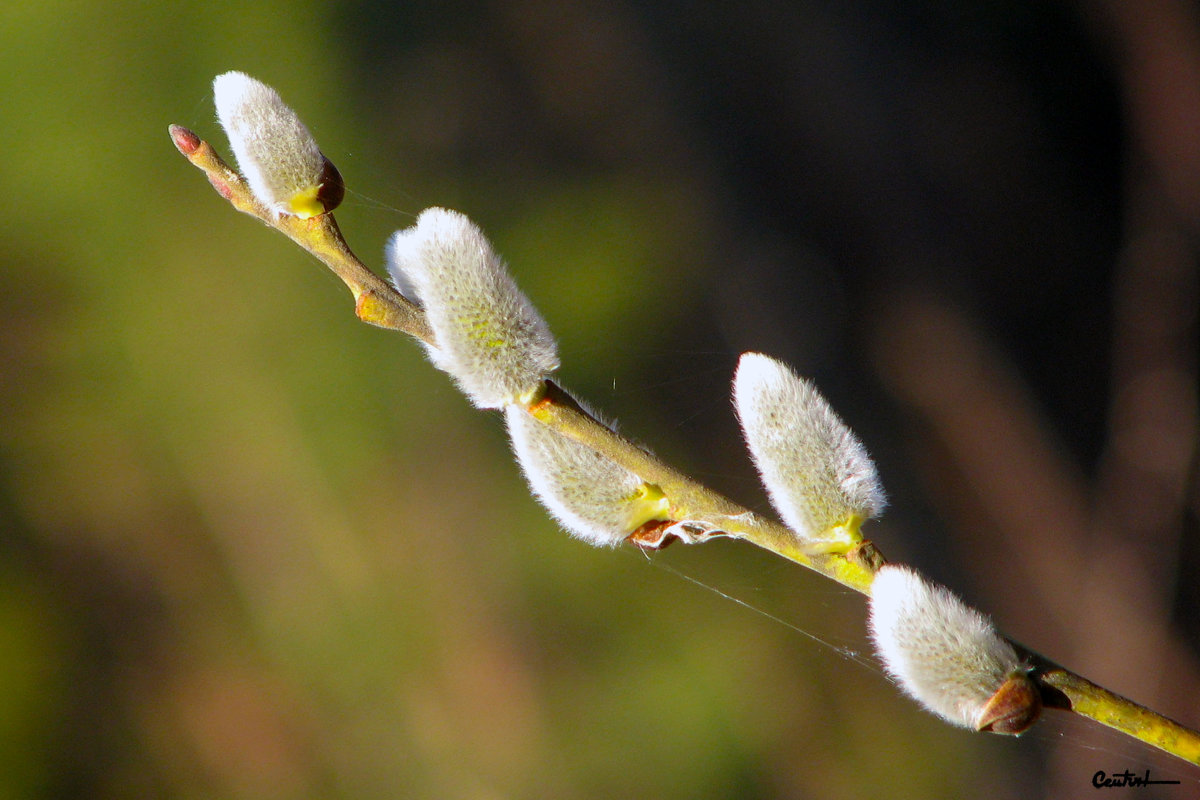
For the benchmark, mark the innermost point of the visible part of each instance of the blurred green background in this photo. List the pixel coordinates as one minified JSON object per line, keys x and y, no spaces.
{"x":252,"y":548}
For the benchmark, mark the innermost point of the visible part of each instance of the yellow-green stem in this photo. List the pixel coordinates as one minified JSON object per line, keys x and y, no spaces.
{"x":693,"y":501}
{"x":377,"y":303}
{"x":375,"y":300}
{"x":1067,"y":691}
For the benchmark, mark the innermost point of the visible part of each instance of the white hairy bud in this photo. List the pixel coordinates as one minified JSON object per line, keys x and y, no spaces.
{"x":487,"y":335}
{"x":818,"y":475}
{"x":591,"y":496}
{"x":279,"y":158}
{"x":948,"y":656}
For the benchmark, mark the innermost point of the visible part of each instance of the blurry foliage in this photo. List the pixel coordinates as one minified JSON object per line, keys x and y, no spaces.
{"x":252,"y":548}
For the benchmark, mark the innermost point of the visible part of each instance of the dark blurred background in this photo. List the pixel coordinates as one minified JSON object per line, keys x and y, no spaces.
{"x":251,"y":548}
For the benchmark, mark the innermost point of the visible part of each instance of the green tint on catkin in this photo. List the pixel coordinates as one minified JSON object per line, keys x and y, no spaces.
{"x":487,"y":335}
{"x":594,"y":498}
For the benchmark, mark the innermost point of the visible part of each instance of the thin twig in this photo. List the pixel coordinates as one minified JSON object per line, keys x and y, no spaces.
{"x":1067,"y":691}
{"x":375,"y":301}
{"x":378,"y":303}
{"x":854,"y":566}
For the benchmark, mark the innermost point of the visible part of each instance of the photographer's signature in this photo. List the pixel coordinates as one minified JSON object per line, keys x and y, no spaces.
{"x":1102,"y":780}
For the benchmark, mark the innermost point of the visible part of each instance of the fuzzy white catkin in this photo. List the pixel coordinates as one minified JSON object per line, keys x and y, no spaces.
{"x":487,"y":335}
{"x":817,"y":473}
{"x":594,"y":498}
{"x":943,"y":653}
{"x":275,"y":152}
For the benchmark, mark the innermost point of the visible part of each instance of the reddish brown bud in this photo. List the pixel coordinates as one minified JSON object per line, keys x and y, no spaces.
{"x":1014,"y":707}
{"x":332,"y":187}
{"x":185,"y":141}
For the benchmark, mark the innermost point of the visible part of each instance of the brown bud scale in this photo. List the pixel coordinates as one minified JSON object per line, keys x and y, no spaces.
{"x":1014,"y":707}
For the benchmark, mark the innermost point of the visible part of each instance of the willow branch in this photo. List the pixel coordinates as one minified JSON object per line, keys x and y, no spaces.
{"x":711,"y":514}
{"x":377,"y":303}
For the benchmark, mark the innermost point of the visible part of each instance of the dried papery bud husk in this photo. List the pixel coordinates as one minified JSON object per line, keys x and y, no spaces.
{"x":594,"y":498}
{"x":948,"y":656}
{"x":487,"y":335}
{"x":818,"y":475}
{"x":279,"y":158}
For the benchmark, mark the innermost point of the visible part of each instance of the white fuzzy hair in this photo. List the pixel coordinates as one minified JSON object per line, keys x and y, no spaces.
{"x":594,"y":498}
{"x":487,"y":335}
{"x":943,"y":653}
{"x":817,"y":473}
{"x":275,"y":152}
